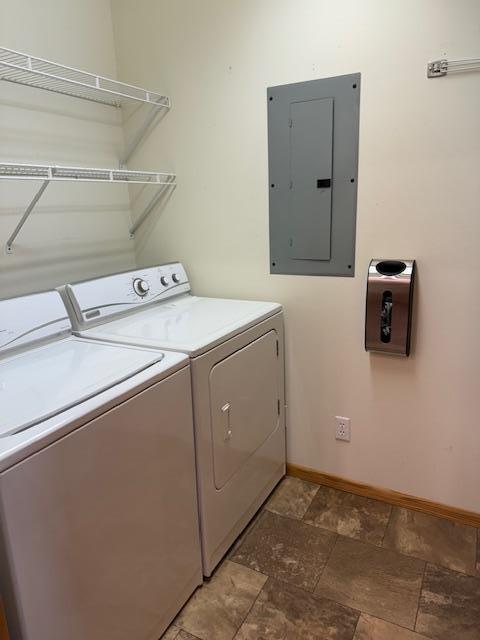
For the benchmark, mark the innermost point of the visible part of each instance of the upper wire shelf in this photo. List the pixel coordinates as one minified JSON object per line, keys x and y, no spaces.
{"x":25,"y":69}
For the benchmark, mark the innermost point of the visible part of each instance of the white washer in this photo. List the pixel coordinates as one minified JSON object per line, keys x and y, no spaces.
{"x":237,"y":365}
{"x":98,"y":507}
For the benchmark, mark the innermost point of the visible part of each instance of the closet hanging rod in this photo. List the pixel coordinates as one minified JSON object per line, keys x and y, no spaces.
{"x":439,"y":68}
{"x":56,"y":173}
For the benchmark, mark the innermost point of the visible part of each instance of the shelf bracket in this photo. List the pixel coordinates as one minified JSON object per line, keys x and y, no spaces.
{"x":151,"y":205}
{"x":25,"y":216}
{"x":140,"y":134}
{"x":440,"y":68}
{"x":437,"y":68}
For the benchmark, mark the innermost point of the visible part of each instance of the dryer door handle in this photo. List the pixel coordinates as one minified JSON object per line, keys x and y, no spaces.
{"x":228,"y":428}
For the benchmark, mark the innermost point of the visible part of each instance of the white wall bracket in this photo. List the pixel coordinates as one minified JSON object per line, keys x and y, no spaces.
{"x":170,"y":184}
{"x":25,"y":215}
{"x":139,"y":135}
{"x":440,"y":68}
{"x":54,"y":173}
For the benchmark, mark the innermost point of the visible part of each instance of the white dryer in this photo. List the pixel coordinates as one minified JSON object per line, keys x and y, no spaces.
{"x":236,"y":353}
{"x":98,"y":523}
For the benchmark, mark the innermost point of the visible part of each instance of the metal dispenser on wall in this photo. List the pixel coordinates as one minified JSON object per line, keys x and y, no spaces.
{"x":388,"y":316}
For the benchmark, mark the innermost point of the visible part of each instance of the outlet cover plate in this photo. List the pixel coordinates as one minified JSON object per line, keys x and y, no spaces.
{"x":342,"y":430}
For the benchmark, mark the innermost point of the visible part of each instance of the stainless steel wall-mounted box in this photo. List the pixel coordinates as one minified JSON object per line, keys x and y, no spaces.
{"x":388,"y":316}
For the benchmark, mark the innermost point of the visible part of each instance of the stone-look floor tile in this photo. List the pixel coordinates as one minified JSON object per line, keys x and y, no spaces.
{"x":171,"y":633}
{"x":449,"y":605}
{"x":433,"y":539}
{"x":183,"y":635}
{"x":285,"y":549}
{"x":374,"y":580}
{"x":282,"y":611}
{"x":349,"y":515}
{"x":370,"y":628}
{"x":217,"y":609}
{"x":292,"y":497}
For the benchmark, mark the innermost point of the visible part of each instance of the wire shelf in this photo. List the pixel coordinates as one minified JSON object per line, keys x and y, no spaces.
{"x":54,"y":173}
{"x":16,"y":171}
{"x":25,"y":69}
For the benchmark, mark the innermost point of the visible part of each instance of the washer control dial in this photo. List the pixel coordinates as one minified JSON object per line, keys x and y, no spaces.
{"x":141,"y":287}
{"x":164,"y":281}
{"x":175,"y":278}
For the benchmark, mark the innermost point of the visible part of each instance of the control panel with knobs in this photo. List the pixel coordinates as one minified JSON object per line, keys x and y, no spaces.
{"x":106,"y":297}
{"x":141,"y":287}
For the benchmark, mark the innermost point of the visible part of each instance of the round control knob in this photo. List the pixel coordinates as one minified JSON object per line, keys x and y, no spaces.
{"x":164,"y":281}
{"x":141,"y":287}
{"x":175,"y":278}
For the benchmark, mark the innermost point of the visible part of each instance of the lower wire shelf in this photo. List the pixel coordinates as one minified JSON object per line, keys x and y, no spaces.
{"x":56,"y":173}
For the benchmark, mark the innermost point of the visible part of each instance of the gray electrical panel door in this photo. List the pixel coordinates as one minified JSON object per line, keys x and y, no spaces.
{"x":313,"y":158}
{"x":310,"y":210}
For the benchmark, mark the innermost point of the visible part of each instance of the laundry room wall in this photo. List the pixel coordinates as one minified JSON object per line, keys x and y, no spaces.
{"x":76,"y":230}
{"x":415,"y":424}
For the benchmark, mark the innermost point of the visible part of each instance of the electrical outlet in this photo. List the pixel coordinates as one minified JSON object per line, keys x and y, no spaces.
{"x":342,"y":431}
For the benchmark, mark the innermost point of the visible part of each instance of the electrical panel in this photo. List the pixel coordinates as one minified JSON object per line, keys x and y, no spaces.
{"x":313,"y":163}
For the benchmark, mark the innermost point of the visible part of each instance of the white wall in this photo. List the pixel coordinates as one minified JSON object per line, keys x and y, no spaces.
{"x":415,"y":424}
{"x":76,"y":230}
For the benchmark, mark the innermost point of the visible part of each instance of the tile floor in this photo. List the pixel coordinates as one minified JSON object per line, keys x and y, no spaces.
{"x":321,"y":564}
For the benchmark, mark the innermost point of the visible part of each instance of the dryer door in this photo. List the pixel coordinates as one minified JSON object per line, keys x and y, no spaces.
{"x":244,"y":396}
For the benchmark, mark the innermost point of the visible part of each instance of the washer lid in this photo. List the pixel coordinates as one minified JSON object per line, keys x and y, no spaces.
{"x":29,"y":319}
{"x":186,"y":323}
{"x":40,"y":383}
